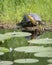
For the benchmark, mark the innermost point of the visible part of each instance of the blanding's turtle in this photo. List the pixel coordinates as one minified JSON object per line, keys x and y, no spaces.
{"x":31,"y":23}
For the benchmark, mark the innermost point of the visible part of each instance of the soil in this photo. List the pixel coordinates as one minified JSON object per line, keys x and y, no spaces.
{"x":8,"y":25}
{"x":13,"y":25}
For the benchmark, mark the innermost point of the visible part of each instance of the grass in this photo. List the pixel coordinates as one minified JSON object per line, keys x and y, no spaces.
{"x":13,"y":10}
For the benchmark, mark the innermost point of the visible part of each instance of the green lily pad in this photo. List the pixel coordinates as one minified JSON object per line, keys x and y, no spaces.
{"x":1,"y":53}
{"x":18,"y":34}
{"x":6,"y":62}
{"x":49,"y":64}
{"x":29,"y":49}
{"x":46,"y":34}
{"x":50,"y":60}
{"x":41,"y":41}
{"x":3,"y":49}
{"x":4,"y":37}
{"x":46,"y":49}
{"x":43,"y":54}
{"x":26,"y":61}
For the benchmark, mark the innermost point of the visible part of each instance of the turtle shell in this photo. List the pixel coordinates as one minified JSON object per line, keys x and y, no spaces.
{"x":35,"y":17}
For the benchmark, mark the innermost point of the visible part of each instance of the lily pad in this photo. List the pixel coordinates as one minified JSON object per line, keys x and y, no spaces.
{"x":1,"y":53}
{"x":49,"y":64}
{"x":41,"y":41}
{"x":50,"y":60}
{"x":46,"y":34}
{"x":6,"y":62}
{"x":29,"y":49}
{"x":3,"y":49}
{"x":46,"y":49}
{"x":43,"y":54}
{"x":4,"y":37}
{"x":18,"y":34}
{"x":26,"y":61}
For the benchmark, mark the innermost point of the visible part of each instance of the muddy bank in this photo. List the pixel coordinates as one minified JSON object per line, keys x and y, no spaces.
{"x":8,"y":25}
{"x":14,"y":26}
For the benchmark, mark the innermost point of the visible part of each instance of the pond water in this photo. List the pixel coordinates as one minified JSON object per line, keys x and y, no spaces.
{"x":17,"y":51}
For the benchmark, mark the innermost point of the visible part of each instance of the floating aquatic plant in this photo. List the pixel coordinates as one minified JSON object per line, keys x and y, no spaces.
{"x":46,"y":34}
{"x":26,"y":61}
{"x":50,"y":60}
{"x":18,"y":34}
{"x":41,"y":41}
{"x":46,"y":49}
{"x":6,"y":62}
{"x":43,"y":54}
{"x":1,"y":53}
{"x":29,"y":49}
{"x":4,"y":37}
{"x":49,"y":64}
{"x":3,"y":49}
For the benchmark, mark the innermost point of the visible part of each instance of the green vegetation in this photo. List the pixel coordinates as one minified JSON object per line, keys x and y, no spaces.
{"x":9,"y":51}
{"x":13,"y":10}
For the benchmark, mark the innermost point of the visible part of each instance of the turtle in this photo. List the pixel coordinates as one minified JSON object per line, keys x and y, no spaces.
{"x":30,"y":21}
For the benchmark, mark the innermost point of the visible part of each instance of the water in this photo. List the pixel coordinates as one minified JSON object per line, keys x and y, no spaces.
{"x":20,"y":42}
